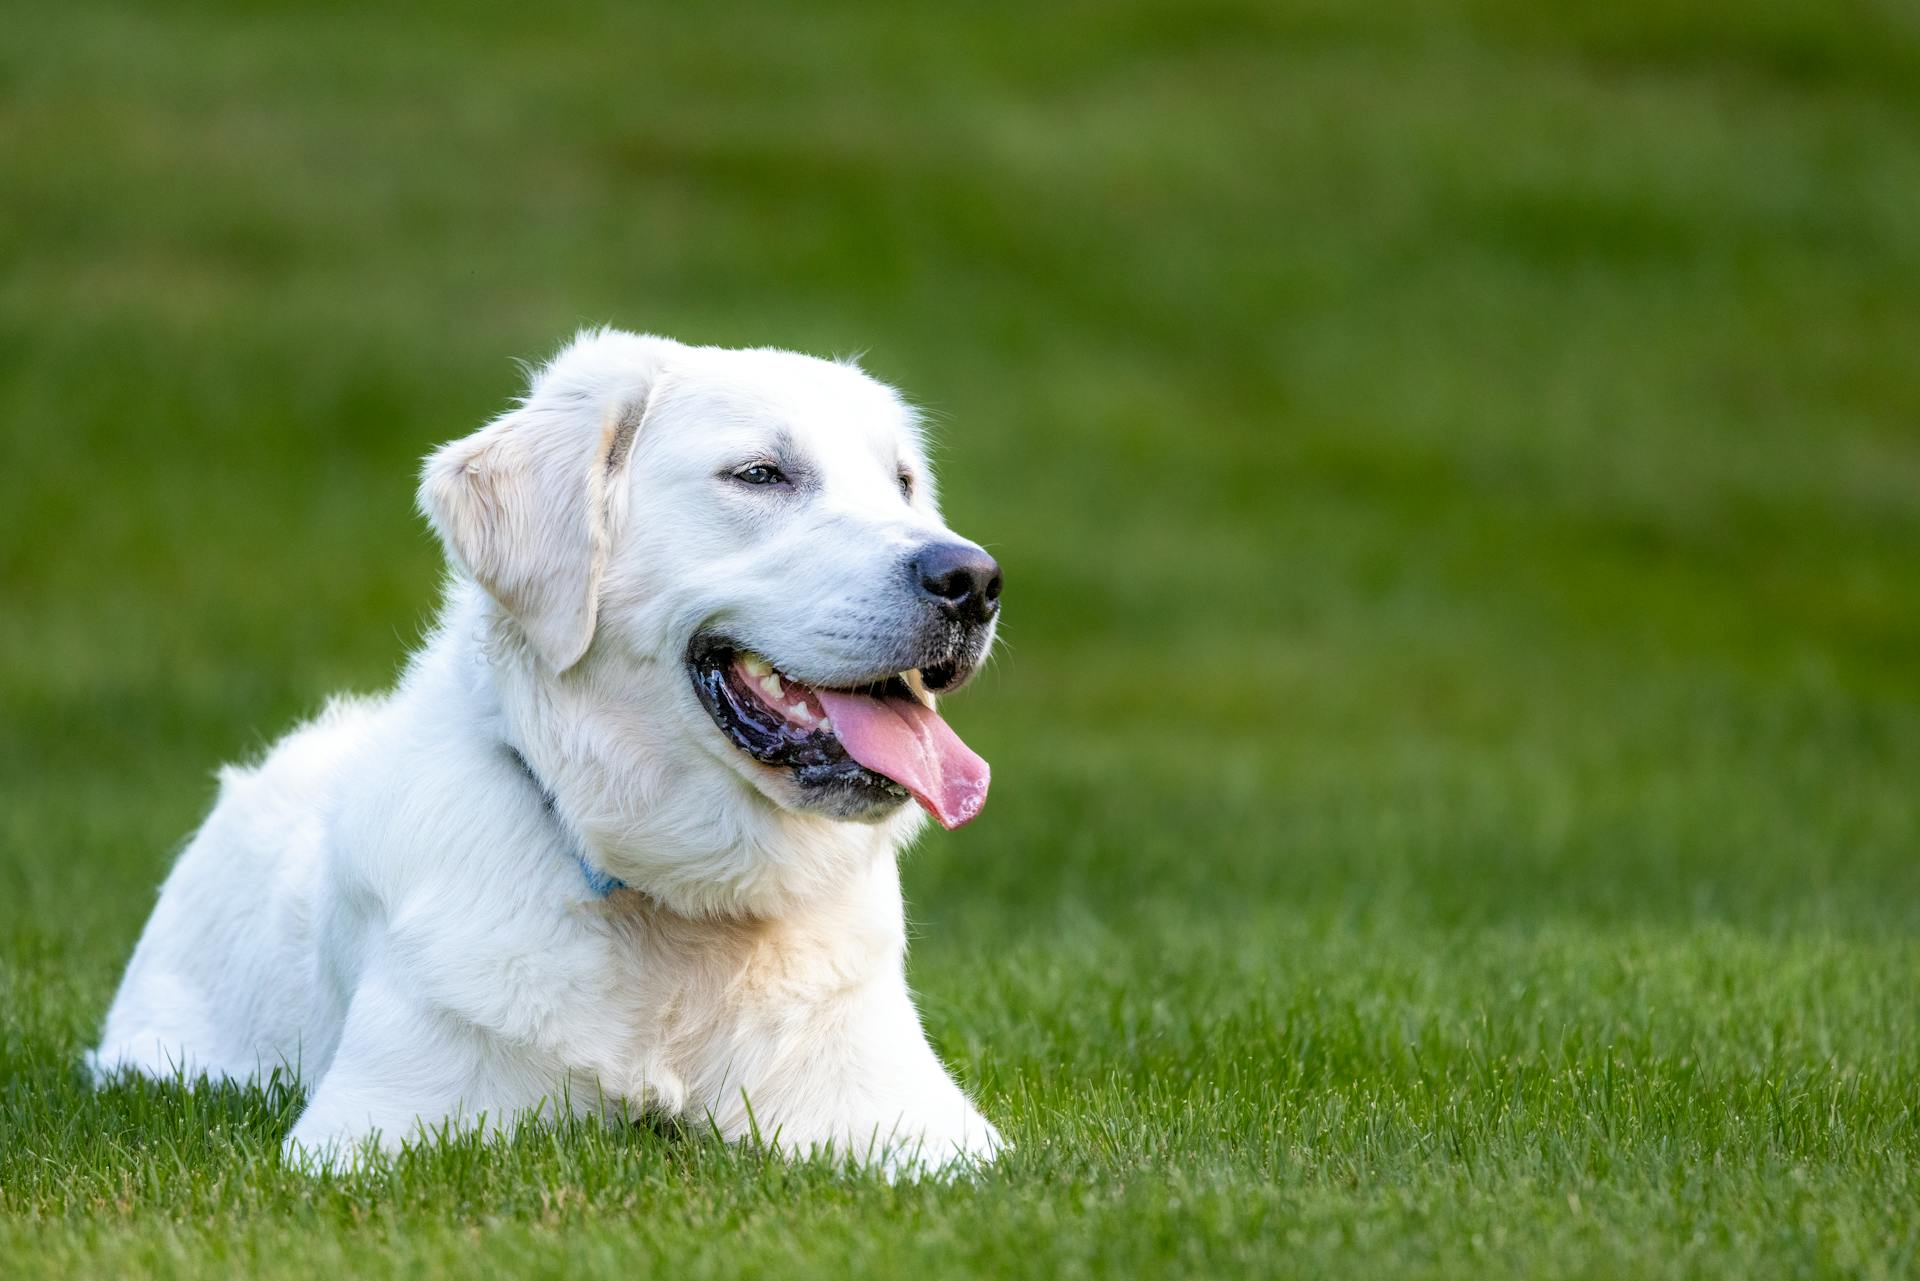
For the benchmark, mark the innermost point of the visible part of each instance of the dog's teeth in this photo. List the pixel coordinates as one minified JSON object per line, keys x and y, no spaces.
{"x":755,"y":666}
{"x":826,"y":723}
{"x":800,"y":713}
{"x":771,"y":684}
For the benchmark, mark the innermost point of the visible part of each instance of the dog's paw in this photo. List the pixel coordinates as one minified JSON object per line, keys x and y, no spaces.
{"x":937,"y":1152}
{"x":317,"y":1154}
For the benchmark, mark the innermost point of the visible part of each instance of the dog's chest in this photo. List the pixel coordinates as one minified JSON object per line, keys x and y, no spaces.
{"x":666,"y":999}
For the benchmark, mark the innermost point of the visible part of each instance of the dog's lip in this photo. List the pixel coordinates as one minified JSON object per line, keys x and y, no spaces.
{"x":881,"y":736}
{"x":812,"y":755}
{"x":919,"y":682}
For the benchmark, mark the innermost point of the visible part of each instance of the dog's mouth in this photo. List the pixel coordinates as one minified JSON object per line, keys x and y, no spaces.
{"x":858,"y":750}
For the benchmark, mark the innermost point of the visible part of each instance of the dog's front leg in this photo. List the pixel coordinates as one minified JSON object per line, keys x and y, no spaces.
{"x":403,"y":1070}
{"x":853,"y":1077}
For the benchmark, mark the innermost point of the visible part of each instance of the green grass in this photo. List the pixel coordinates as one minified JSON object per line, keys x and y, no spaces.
{"x":1457,"y":751}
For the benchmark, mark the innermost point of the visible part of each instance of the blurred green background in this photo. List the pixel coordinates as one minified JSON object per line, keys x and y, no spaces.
{"x":1457,"y":467}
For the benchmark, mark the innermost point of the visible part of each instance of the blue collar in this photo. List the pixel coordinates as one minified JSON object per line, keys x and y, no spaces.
{"x":600,"y":884}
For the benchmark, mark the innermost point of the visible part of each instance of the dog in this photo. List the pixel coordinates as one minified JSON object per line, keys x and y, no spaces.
{"x":623,"y":841}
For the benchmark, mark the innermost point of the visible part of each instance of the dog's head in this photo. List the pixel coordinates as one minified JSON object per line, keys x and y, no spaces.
{"x":742,"y":550}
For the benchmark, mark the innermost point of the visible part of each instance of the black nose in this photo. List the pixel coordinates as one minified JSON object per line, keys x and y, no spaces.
{"x":960,"y":578}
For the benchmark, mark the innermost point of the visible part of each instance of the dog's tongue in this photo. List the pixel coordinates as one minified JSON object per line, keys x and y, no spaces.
{"x":909,"y":743}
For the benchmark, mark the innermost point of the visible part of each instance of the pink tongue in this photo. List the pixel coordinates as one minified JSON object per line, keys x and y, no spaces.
{"x":909,"y":743}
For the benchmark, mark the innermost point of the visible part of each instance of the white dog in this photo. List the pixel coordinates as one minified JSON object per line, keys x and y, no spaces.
{"x":624,"y":838}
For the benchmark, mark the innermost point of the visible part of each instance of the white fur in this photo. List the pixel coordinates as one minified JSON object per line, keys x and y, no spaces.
{"x":386,"y":905}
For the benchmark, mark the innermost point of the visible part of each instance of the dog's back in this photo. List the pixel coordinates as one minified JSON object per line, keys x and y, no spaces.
{"x":236,"y":990}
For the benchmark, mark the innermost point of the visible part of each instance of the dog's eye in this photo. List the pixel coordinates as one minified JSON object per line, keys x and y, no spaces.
{"x":906,"y":486}
{"x":761,"y":474}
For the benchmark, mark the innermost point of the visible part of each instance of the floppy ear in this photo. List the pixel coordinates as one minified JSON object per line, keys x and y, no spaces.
{"x":521,"y":505}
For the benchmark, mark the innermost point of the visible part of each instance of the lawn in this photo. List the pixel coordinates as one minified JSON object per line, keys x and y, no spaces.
{"x":1457,"y":465}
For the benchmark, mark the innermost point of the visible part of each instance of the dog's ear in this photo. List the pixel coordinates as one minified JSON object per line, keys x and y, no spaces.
{"x":522,"y":505}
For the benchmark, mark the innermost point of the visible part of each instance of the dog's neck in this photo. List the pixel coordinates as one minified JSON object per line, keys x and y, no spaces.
{"x":600,"y":883}
{"x":607,"y":747}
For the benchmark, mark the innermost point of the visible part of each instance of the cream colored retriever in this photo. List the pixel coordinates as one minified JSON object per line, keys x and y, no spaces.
{"x":624,"y":838}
